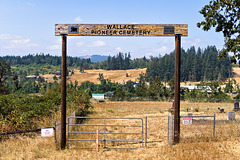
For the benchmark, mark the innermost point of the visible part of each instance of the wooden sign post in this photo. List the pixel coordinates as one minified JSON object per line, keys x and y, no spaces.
{"x":176,"y":123}
{"x":63,"y":91}
{"x":136,"y":30}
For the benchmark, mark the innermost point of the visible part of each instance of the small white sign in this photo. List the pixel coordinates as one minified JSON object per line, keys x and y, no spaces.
{"x":47,"y":132}
{"x":187,"y":120}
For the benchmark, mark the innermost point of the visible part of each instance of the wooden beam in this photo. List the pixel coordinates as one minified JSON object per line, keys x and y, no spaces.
{"x":121,"y":29}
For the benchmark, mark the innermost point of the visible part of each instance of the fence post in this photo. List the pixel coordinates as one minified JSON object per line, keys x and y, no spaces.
{"x":104,"y":140}
{"x":142,"y":132}
{"x":97,"y":141}
{"x":214,"y":125}
{"x":146,"y":131}
{"x":55,"y":134}
{"x":68,"y":122}
{"x":168,"y":128}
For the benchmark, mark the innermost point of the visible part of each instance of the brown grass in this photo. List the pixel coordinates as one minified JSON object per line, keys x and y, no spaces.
{"x":236,"y":71}
{"x":92,"y":75}
{"x":225,"y":146}
{"x":120,"y":76}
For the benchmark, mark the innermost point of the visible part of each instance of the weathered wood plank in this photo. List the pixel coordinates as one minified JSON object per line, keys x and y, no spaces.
{"x":121,"y":29}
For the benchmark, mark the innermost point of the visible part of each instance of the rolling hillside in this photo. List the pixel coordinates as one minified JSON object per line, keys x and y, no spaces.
{"x":92,"y":75}
{"x":120,"y":75}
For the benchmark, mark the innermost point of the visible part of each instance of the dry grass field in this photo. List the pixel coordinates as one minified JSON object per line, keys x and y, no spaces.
{"x":236,"y":71}
{"x":92,"y":75}
{"x":197,"y":141}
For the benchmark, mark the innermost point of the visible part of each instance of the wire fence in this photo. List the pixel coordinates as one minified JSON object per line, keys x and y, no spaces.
{"x":6,"y":135}
{"x":192,"y":127}
{"x":200,"y":127}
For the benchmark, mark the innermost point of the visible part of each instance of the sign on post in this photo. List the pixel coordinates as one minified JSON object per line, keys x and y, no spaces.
{"x":47,"y":132}
{"x":187,"y":120}
{"x":121,"y":29}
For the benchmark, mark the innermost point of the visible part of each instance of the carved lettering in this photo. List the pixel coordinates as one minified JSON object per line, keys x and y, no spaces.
{"x":115,"y":26}
{"x":121,"y":32}
{"x":109,"y":26}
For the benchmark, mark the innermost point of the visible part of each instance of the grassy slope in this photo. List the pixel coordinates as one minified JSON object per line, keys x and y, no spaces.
{"x":92,"y":75}
{"x":120,"y":75}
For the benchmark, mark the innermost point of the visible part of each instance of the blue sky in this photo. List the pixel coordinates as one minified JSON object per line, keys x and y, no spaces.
{"x":27,"y":26}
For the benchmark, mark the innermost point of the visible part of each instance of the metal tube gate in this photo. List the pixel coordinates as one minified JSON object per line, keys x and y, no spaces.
{"x":141,"y":134}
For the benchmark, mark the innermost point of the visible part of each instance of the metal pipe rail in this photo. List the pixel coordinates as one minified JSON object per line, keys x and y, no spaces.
{"x":103,"y":133}
{"x":108,"y":133}
{"x":102,"y":125}
{"x":198,"y":116}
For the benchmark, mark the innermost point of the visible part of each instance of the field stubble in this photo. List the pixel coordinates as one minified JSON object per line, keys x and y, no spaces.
{"x":193,"y":146}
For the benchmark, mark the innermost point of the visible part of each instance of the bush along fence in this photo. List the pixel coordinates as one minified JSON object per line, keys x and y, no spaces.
{"x":56,"y":128}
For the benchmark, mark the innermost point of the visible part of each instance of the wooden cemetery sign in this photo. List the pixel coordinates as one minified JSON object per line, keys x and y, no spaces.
{"x":121,"y":29}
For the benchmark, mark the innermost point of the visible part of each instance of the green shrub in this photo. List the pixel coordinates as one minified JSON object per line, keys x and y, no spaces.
{"x":23,"y":111}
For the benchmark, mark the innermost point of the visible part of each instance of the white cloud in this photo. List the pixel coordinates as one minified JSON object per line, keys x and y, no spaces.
{"x":91,"y":44}
{"x":134,"y":23}
{"x":20,"y":43}
{"x":54,"y":47}
{"x":119,"y":49}
{"x":78,"y":19}
{"x":97,"y":44}
{"x":8,"y":36}
{"x":16,"y":42}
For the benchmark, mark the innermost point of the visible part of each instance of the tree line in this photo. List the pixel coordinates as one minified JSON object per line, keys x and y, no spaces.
{"x":195,"y":66}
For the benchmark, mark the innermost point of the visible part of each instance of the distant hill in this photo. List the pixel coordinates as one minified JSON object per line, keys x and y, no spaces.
{"x":95,"y":58}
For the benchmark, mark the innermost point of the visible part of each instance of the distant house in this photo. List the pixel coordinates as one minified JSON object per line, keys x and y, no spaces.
{"x":234,"y":92}
{"x":97,"y":96}
{"x":31,"y":76}
{"x":57,"y":73}
{"x":203,"y":88}
{"x":190,"y":87}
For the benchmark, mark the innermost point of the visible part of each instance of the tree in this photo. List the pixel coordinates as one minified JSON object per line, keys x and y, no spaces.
{"x":229,"y":87}
{"x":16,"y":85}
{"x":55,"y":78}
{"x":154,"y":90}
{"x":119,"y":94}
{"x":224,"y":16}
{"x":141,"y":87}
{"x":100,"y":76}
{"x":5,"y":71}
